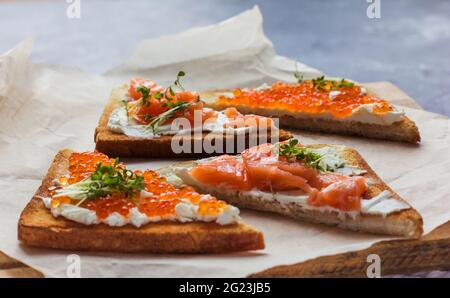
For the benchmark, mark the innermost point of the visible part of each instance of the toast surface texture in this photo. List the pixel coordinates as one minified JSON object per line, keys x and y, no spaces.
{"x":38,"y":227}
{"x":120,"y":145}
{"x":402,"y":131}
{"x":406,"y":223}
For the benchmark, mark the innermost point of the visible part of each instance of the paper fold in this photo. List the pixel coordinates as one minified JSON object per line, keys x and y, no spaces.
{"x":214,"y":52}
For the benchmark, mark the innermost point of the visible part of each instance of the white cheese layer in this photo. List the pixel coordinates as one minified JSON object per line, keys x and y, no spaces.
{"x":383,"y":204}
{"x":184,"y":212}
{"x":119,"y":122}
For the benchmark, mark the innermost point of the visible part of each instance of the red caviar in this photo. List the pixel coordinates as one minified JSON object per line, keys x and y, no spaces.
{"x":306,"y":98}
{"x":159,"y":197}
{"x":104,"y":206}
{"x":60,"y":200}
{"x":211,"y":206}
{"x":83,"y":164}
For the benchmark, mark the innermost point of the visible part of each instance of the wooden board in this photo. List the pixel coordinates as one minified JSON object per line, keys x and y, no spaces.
{"x":432,"y":252}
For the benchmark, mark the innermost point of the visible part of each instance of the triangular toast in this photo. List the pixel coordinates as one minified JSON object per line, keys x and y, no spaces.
{"x":403,"y":129}
{"x":121,"y":145}
{"x":38,"y":227}
{"x":406,"y":222}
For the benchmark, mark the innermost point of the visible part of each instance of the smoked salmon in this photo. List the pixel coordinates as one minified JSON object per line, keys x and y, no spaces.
{"x":264,"y":168}
{"x":225,"y":171}
{"x":147,"y":100}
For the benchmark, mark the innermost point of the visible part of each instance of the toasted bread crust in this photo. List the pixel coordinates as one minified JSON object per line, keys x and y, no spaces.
{"x":407,"y":223}
{"x":37,"y":227}
{"x":402,"y":131}
{"x":121,"y":145}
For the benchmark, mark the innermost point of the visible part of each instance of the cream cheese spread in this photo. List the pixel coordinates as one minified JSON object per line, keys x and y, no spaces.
{"x":383,"y":204}
{"x":184,"y":212}
{"x":120,"y":122}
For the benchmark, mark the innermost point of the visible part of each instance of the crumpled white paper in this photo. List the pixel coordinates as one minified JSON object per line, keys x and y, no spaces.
{"x":46,"y":108}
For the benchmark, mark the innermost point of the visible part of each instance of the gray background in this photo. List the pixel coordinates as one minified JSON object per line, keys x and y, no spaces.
{"x":409,"y":45}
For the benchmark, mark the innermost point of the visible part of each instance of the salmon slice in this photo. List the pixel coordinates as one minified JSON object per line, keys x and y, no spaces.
{"x":225,"y":171}
{"x":263,"y":168}
{"x":202,"y":114}
{"x":344,"y":193}
{"x":299,"y":169}
{"x":137,"y":82}
{"x":249,"y":120}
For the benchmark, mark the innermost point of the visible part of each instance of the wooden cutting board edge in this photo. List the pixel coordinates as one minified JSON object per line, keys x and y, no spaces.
{"x":432,"y":252}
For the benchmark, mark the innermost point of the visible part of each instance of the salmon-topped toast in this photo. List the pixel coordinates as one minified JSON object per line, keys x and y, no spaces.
{"x":144,"y":119}
{"x":89,"y":201}
{"x":319,"y":183}
{"x":322,"y":104}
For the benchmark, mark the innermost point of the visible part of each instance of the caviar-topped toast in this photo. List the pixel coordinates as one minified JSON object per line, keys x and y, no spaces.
{"x":88,"y":201}
{"x":144,"y":119}
{"x":326,"y":184}
{"x":324,"y":105}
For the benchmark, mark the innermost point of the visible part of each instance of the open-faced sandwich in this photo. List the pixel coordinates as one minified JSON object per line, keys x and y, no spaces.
{"x":320,"y":183}
{"x":88,"y":201}
{"x":325,"y":105}
{"x":144,"y":119}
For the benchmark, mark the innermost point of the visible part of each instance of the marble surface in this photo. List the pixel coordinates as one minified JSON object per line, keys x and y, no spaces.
{"x":408,"y":46}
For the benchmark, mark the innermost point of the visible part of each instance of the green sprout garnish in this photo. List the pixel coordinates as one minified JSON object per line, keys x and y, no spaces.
{"x":144,"y":91}
{"x":154,"y":125}
{"x":168,"y":94}
{"x":298,"y":76}
{"x":308,"y":156}
{"x":127,"y":110}
{"x":320,"y":83}
{"x":106,"y":180}
{"x":176,"y":83}
{"x":345,"y":83}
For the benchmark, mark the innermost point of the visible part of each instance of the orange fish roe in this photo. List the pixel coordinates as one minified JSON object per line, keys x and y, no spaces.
{"x":104,"y":206}
{"x":60,"y":200}
{"x":83,"y":164}
{"x":163,"y":197}
{"x":159,"y":197}
{"x":306,"y":98}
{"x":211,"y":206}
{"x":189,"y":192}
{"x":159,"y":206}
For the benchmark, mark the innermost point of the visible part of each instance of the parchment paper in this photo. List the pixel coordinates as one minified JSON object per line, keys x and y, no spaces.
{"x":45,"y":108}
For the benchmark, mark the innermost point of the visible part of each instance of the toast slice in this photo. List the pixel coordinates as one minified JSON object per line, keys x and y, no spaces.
{"x":406,"y":222}
{"x":403,"y":130}
{"x":118,"y":144}
{"x":37,"y":227}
